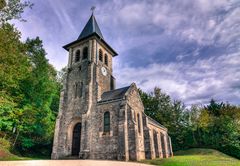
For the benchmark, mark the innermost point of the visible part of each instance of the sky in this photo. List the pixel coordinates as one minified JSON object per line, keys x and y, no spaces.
{"x":188,"y":48}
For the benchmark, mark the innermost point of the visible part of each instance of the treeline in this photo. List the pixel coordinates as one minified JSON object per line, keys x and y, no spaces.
{"x":216,"y":125}
{"x":29,"y":88}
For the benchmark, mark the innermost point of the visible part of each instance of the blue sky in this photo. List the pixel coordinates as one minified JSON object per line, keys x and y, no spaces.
{"x":188,"y":48}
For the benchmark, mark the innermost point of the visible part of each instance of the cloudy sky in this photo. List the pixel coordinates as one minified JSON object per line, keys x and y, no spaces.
{"x":188,"y":48}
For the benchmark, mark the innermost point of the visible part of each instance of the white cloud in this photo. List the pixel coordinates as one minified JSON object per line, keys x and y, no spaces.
{"x":193,"y":83}
{"x":202,"y":21}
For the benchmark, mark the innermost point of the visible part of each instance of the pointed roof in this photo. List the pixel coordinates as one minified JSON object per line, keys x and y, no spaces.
{"x":90,"y":28}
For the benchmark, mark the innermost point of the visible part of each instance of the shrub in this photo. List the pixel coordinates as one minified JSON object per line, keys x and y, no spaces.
{"x":231,"y":150}
{"x":5,"y":144}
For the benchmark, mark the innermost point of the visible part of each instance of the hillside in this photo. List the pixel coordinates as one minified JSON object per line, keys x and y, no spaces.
{"x":6,"y":155}
{"x":196,"y":157}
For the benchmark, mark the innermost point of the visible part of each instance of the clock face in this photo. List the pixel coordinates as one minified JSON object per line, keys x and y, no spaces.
{"x":104,"y":71}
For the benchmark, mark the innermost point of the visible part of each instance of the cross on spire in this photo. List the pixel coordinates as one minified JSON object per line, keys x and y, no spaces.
{"x":93,"y":9}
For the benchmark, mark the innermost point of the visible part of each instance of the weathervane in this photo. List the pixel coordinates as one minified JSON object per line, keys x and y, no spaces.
{"x":93,"y":8}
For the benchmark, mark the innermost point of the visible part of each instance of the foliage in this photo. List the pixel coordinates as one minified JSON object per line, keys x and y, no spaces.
{"x":196,"y":157}
{"x":219,"y":127}
{"x":4,"y":143}
{"x":29,"y":92}
{"x":40,"y":88}
{"x":13,"y":63}
{"x":62,"y":76}
{"x":159,"y":106}
{"x":14,"y":68}
{"x":12,"y":9}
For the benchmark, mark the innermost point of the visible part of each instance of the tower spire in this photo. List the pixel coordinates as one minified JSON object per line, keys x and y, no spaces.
{"x":89,"y":30}
{"x":93,"y":9}
{"x":91,"y":27}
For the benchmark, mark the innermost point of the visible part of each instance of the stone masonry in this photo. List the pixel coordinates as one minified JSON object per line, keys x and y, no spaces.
{"x":97,"y":121}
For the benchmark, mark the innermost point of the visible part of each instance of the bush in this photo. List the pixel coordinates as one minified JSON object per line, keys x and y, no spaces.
{"x":231,"y":150}
{"x":5,"y":144}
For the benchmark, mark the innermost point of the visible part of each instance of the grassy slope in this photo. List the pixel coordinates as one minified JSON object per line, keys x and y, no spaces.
{"x":196,"y":157}
{"x":6,"y":155}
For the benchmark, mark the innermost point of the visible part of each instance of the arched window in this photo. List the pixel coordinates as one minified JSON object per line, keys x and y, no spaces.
{"x":106,"y":59}
{"x":106,"y":122}
{"x":85,"y":53}
{"x":139,"y":126}
{"x":100,"y":55}
{"x":77,"y":56}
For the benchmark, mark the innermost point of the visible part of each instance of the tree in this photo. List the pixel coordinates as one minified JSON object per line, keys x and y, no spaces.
{"x":29,"y":86}
{"x":12,"y":9}
{"x":40,"y":89}
{"x":159,"y":106}
{"x":29,"y":93}
{"x":14,"y":68}
{"x":214,"y":108}
{"x":219,"y":127}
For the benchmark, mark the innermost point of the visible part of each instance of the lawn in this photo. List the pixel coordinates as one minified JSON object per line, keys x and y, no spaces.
{"x":196,"y":157}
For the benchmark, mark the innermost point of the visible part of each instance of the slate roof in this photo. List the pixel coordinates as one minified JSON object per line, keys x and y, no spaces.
{"x":114,"y":94}
{"x":155,"y":122}
{"x":90,"y":28}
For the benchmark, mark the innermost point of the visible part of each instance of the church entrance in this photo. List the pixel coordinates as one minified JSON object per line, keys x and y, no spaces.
{"x":76,"y":139}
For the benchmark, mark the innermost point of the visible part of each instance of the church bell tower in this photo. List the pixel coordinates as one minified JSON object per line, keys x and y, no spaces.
{"x":89,"y":75}
{"x":90,"y":64}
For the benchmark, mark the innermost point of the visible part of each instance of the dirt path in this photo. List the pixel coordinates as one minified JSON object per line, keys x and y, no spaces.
{"x":68,"y":163}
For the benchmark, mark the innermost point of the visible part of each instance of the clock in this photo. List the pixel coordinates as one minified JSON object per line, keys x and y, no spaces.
{"x":104,"y":71}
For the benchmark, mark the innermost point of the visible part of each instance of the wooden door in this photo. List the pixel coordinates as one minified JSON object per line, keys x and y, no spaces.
{"x":76,"y":139}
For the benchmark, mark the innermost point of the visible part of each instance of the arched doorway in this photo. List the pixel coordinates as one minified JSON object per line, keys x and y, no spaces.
{"x":76,"y":139}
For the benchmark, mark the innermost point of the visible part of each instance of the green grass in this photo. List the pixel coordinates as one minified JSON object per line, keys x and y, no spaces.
{"x":196,"y":157}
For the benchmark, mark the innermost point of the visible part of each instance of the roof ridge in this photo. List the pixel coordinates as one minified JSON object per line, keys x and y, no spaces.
{"x":117,"y":89}
{"x":94,"y":29}
{"x":114,"y":94}
{"x":156,"y":122}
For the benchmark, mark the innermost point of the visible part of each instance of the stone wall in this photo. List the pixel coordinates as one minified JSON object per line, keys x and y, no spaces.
{"x":136,"y":132}
{"x":104,"y":145}
{"x":161,"y":137}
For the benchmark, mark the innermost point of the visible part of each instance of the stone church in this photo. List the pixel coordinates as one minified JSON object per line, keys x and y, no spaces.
{"x":96,"y":120}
